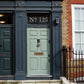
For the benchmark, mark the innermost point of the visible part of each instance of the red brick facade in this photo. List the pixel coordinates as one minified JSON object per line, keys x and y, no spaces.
{"x":77,"y":1}
{"x":69,"y":18}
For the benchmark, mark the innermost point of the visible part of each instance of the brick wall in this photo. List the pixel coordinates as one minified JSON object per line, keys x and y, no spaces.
{"x":77,"y":1}
{"x":69,"y":18}
{"x":64,"y":24}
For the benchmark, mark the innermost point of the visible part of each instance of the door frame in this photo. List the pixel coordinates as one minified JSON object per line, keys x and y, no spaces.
{"x":54,"y":30}
{"x":51,"y":67}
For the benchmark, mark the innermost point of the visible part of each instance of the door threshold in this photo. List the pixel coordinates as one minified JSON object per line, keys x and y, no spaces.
{"x":39,"y":77}
{"x":6,"y":77}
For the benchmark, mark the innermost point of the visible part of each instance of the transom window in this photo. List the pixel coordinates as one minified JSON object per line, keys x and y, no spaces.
{"x":6,"y":18}
{"x":78,"y":27}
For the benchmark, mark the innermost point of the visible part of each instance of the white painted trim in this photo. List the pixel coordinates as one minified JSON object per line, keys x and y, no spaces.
{"x":73,"y":26}
{"x":73,"y":6}
{"x":78,"y":5}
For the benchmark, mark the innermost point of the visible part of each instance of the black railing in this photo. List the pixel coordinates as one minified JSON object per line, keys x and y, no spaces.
{"x":73,"y":64}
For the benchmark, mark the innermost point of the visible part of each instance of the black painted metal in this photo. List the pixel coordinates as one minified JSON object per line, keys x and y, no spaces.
{"x":73,"y":65}
{"x":20,"y":8}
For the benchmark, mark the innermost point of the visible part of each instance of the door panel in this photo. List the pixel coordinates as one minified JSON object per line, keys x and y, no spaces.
{"x":38,"y":50}
{"x":43,"y":46}
{"x":33,"y":43}
{"x":34,"y":63}
{"x":5,"y":51}
{"x":6,"y":45}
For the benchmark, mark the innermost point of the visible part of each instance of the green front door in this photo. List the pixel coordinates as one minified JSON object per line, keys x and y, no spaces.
{"x":38,"y":51}
{"x":5,"y":51}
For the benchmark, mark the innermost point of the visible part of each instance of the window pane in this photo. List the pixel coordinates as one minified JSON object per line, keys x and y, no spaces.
{"x":82,"y":25}
{"x":82,"y":13}
{"x":82,"y":47}
{"x":77,"y":13}
{"x":77,"y":38}
{"x":77,"y":25}
{"x":82,"y":37}
{"x":77,"y":47}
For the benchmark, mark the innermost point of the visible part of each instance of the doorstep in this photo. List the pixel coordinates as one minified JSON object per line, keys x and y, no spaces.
{"x":30,"y":81}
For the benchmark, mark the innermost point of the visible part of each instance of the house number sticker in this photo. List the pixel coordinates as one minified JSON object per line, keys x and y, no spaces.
{"x":38,"y":20}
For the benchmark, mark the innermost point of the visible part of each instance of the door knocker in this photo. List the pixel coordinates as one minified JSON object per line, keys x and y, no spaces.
{"x":38,"y":45}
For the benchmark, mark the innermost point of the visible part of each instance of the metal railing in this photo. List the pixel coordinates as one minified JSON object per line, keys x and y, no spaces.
{"x":73,"y":64}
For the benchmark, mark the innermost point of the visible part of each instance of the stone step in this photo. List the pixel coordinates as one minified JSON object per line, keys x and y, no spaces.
{"x":30,"y":82}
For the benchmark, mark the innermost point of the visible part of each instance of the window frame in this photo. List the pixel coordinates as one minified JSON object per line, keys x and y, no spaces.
{"x":73,"y":6}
